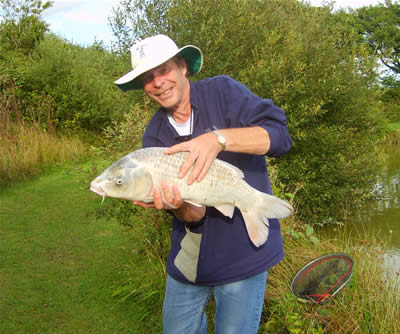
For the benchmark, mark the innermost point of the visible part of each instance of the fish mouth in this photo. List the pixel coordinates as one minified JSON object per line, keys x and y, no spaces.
{"x":98,"y":190}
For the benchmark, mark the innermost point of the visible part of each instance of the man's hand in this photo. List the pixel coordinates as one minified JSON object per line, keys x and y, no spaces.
{"x":202,"y":152}
{"x":183,"y":211}
{"x":172,"y":197}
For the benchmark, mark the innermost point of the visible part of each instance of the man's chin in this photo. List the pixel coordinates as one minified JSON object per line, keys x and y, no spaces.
{"x":167,"y":104}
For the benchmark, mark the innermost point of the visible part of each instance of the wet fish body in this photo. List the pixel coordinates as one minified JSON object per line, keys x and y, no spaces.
{"x":135,"y":175}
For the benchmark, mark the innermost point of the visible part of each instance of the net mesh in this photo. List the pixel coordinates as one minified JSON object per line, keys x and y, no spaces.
{"x":321,"y":279}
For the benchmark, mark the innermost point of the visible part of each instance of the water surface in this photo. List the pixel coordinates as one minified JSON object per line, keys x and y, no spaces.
{"x":381,"y":217}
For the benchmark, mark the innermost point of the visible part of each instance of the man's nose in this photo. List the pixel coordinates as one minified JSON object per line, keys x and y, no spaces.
{"x":158,"y":80}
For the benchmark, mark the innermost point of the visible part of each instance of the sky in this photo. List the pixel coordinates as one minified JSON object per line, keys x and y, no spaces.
{"x":84,"y":21}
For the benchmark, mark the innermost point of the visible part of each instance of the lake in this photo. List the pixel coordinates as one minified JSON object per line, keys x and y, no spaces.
{"x":382,"y":215}
{"x":380,"y":218}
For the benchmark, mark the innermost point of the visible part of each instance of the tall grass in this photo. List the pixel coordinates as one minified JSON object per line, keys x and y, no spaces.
{"x":26,"y":147}
{"x":368,"y":304}
{"x":393,"y":138}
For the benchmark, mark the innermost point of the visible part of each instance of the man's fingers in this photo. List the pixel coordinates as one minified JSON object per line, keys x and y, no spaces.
{"x":197,"y":169}
{"x":164,"y":197}
{"x":158,"y":202}
{"x":190,"y":160}
{"x":205,"y":169}
{"x":168,"y":196}
{"x":143,"y":205}
{"x":182,"y":147}
{"x":177,"y":196}
{"x":202,"y":152}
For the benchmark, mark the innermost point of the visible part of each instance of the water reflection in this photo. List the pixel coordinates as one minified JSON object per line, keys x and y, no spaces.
{"x":382,"y":216}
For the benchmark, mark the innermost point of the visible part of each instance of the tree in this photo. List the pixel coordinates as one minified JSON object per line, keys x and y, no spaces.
{"x":21,"y":27}
{"x":380,"y":27}
{"x":134,"y":19}
{"x":309,"y":64}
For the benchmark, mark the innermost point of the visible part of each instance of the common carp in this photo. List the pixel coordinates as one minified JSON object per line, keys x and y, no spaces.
{"x":135,"y":175}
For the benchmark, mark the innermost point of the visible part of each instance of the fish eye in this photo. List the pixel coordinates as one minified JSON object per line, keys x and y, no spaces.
{"x":118,"y":180}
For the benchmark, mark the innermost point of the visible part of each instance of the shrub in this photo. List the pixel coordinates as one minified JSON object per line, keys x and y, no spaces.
{"x":79,"y":82}
{"x":308,"y":62}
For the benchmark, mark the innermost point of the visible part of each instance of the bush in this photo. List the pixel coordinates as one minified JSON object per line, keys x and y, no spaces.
{"x":21,"y":26}
{"x":308,"y":62}
{"x":126,"y":135}
{"x":391,"y":101}
{"x":78,"y":81}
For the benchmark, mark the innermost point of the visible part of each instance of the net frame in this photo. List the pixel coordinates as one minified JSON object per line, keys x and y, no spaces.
{"x":325,"y":297}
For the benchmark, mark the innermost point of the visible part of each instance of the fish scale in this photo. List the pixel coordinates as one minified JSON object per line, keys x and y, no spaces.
{"x":216,"y":177}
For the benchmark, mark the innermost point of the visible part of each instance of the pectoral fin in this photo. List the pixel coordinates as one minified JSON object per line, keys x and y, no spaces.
{"x":226,"y":209}
{"x":193,"y":203}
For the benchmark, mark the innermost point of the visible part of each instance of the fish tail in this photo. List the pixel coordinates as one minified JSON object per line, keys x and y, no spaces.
{"x":257,"y":213}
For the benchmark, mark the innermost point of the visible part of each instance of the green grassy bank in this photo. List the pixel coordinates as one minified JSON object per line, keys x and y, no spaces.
{"x":59,"y":266}
{"x":395,"y":126}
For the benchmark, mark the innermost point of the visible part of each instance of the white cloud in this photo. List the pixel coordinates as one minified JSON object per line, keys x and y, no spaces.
{"x":81,"y":21}
{"x":85,"y":16}
{"x":346,"y":3}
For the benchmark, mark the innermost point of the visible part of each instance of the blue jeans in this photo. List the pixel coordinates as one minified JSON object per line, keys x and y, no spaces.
{"x":239,"y":306}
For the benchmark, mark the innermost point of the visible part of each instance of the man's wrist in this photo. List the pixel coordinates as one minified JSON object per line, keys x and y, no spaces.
{"x":221,"y":139}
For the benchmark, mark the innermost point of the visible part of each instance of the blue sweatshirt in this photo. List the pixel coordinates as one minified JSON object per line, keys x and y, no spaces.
{"x":217,"y":249}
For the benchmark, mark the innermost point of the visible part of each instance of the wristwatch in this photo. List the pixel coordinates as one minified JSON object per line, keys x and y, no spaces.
{"x":221,"y":139}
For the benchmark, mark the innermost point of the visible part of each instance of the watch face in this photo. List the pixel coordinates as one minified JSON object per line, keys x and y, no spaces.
{"x":222,"y":140}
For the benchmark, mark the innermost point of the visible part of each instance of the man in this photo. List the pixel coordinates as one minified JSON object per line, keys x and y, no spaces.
{"x":210,"y":253}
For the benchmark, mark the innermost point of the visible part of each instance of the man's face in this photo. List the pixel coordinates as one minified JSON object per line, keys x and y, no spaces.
{"x":167,"y":84}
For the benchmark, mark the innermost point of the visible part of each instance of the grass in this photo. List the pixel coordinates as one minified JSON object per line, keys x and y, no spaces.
{"x":26,"y":149}
{"x":395,"y":126}
{"x":393,"y":138}
{"x":63,"y":271}
{"x":60,"y":266}
{"x":368,"y":304}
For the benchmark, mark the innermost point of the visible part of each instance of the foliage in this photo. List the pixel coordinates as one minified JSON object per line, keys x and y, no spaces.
{"x":126,"y":135}
{"x":73,"y":84}
{"x":21,"y":27}
{"x":380,"y":27}
{"x":391,"y":98}
{"x":133,"y":19}
{"x":78,"y":81}
{"x":306,"y":236}
{"x":26,"y":148}
{"x":307,"y":61}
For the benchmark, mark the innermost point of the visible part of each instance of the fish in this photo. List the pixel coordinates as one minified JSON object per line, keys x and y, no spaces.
{"x":134,"y":176}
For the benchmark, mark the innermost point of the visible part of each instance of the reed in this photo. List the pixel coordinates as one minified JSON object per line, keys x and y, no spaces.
{"x":26,"y":149}
{"x":392,"y":138}
{"x":368,"y":304}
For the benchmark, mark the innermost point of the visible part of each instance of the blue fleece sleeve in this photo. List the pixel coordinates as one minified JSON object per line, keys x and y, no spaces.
{"x":245,"y":109}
